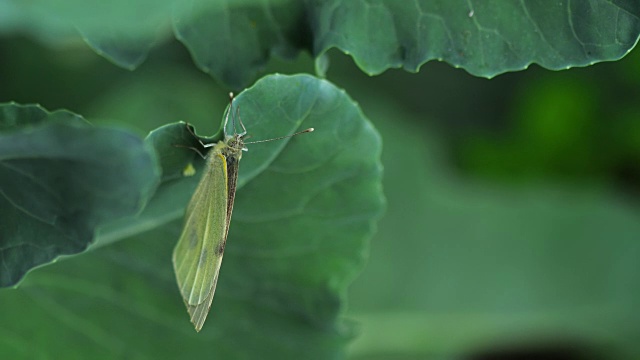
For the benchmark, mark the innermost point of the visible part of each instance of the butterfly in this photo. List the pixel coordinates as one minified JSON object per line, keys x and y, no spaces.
{"x":198,"y":254}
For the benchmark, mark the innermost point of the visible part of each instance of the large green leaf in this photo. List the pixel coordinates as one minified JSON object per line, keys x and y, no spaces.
{"x":484,"y":37}
{"x":233,"y":40}
{"x":487,"y":267}
{"x":304,"y":210}
{"x":60,"y":179}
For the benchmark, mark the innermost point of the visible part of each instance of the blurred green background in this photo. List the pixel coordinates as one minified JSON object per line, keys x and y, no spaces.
{"x":512,"y":223}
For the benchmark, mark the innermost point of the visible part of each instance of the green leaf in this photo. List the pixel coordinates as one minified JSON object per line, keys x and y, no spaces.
{"x":486,"y":38}
{"x":487,"y":267}
{"x":60,"y":179}
{"x":141,"y":19}
{"x":233,"y":41}
{"x":304,"y":211}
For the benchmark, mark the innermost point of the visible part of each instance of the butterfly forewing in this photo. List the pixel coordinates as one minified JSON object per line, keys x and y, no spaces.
{"x":198,"y":255}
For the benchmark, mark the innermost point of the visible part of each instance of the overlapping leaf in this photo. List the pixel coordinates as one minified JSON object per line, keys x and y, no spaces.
{"x":60,"y":179}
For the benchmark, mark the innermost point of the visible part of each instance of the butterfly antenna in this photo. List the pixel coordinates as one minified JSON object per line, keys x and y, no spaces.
{"x":283,"y":137}
{"x":226,"y":118}
{"x":230,"y":110}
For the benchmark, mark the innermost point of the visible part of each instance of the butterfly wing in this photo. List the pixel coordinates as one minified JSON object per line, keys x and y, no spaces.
{"x":198,"y":255}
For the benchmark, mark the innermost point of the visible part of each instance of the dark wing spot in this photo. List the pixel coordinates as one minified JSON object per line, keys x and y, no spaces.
{"x":220,"y":248}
